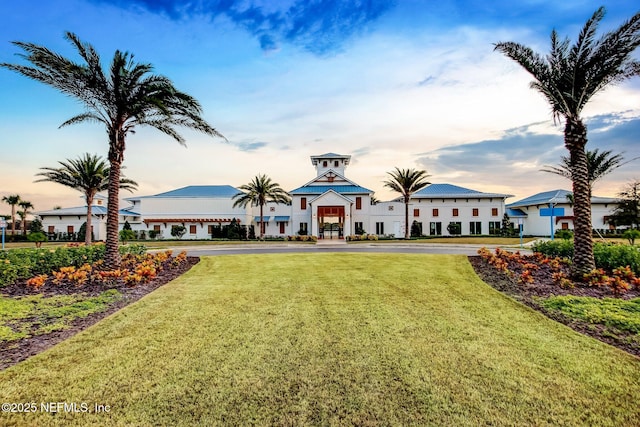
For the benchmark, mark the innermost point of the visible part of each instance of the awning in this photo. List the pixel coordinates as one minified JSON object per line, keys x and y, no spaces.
{"x":282,"y":219}
{"x":264,"y":219}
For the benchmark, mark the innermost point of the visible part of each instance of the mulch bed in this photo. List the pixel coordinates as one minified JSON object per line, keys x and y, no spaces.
{"x":16,"y":351}
{"x":544,"y":287}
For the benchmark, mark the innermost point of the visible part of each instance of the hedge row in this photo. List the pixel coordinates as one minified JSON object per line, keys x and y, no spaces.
{"x":24,"y":263}
{"x":607,"y":255}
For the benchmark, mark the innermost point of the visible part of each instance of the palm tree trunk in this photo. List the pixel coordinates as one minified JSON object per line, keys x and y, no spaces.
{"x":406,"y":218}
{"x":261,"y":223}
{"x":24,"y":222}
{"x":87,"y":231}
{"x":575,"y":138}
{"x":13,"y":220}
{"x":112,"y":254}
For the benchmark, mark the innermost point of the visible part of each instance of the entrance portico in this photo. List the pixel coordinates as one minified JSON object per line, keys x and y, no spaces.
{"x":331,"y":216}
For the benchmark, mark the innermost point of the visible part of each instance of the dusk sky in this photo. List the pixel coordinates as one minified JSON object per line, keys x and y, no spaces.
{"x":406,"y":83}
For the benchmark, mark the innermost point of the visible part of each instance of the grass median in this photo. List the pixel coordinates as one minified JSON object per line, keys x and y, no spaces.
{"x":329,"y":339}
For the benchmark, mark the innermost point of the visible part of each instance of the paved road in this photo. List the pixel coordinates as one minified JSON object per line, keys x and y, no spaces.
{"x":422,"y":248}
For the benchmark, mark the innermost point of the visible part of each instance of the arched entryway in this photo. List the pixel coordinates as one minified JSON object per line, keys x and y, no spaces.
{"x":331,"y":222}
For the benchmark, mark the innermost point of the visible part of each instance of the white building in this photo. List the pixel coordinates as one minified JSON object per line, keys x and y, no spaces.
{"x":330,"y":206}
{"x":61,"y":223}
{"x":546,"y":212}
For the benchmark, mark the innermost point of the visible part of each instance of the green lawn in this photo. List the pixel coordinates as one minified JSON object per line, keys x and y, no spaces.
{"x":329,"y":339}
{"x":35,"y":315}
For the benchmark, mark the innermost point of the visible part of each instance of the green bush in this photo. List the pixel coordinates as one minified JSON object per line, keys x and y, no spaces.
{"x":564,"y":234}
{"x":607,"y":256}
{"x":24,"y":263}
{"x":610,"y":256}
{"x":554,"y":248}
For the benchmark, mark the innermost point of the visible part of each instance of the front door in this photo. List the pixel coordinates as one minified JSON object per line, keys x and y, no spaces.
{"x":331,"y":222}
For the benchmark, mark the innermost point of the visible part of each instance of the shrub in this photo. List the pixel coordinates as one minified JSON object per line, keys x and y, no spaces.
{"x":611,"y":256}
{"x":564,"y":234}
{"x":554,"y":248}
{"x":38,"y":237}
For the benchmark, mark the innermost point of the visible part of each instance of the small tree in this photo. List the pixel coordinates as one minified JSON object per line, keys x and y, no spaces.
{"x":126,"y":226}
{"x":36,"y":226}
{"x":631,"y":236}
{"x":506,"y":226}
{"x":178,"y":231}
{"x":416,"y":229}
{"x":127,"y":235}
{"x":37,"y":237}
{"x":628,"y":210}
{"x":82,"y":234}
{"x":454,"y":228}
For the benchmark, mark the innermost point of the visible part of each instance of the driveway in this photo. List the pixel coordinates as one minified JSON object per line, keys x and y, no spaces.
{"x":276,"y":248}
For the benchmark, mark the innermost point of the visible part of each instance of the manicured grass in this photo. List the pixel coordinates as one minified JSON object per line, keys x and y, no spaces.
{"x":34,"y":315}
{"x":330,"y":339}
{"x":618,"y":316}
{"x":465,"y":240}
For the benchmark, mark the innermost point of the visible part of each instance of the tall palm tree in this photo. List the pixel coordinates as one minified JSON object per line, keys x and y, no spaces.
{"x":599,"y":165}
{"x":12,"y":200}
{"x":25,"y":205}
{"x":88,"y":174}
{"x":122,"y":97}
{"x":258,"y":192}
{"x":568,"y":77}
{"x":407,"y":182}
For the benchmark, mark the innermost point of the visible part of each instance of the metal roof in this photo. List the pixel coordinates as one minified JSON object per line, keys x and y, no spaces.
{"x":82,"y":211}
{"x":515,"y":213}
{"x":282,"y":218}
{"x":265,"y":218}
{"x":216,"y":191}
{"x":341,"y":189}
{"x":544,"y":198}
{"x":450,"y":191}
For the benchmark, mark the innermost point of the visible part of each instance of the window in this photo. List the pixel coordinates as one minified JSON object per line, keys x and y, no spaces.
{"x":495,"y":227}
{"x":565,"y":225}
{"x":209,"y":230}
{"x":379,"y":228}
{"x":324,"y":164}
{"x":455,"y":212}
{"x":435,"y":212}
{"x":358,"y":202}
{"x":303,"y":203}
{"x":282,"y":227}
{"x":494,"y":211}
{"x":416,"y":212}
{"x":272,"y":208}
{"x":475,"y":212}
{"x":359,"y":228}
{"x":475,"y":227}
{"x":390,"y":207}
{"x":435,"y":229}
{"x":51,"y":229}
{"x":336,"y":163}
{"x":304,"y":230}
{"x":192,"y":229}
{"x":156,"y":228}
{"x":69,"y":229}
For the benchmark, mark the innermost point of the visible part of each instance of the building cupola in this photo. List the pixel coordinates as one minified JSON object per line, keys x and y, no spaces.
{"x":330,"y":162}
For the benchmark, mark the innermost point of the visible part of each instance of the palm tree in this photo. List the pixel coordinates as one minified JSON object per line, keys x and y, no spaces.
{"x":407,"y":182}
{"x":88,"y":174}
{"x":568,"y":77}
{"x":25,"y":205}
{"x":122,"y":97}
{"x":258,"y":192}
{"x":12,"y":200}
{"x":599,"y":165}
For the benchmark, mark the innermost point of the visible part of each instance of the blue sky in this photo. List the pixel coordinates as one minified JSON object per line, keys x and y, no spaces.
{"x":403,"y":83}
